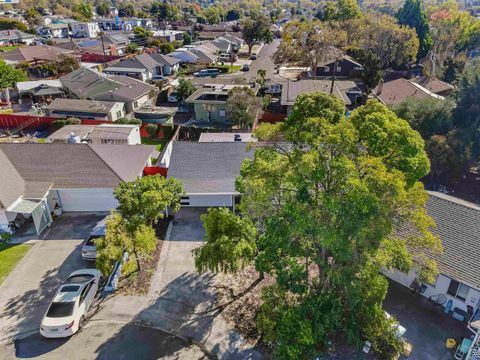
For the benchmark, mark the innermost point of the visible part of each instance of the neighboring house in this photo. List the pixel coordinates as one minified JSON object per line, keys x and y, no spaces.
{"x":37,"y":178}
{"x":12,"y":37}
{"x":207,"y":170}
{"x":39,"y":91}
{"x":97,"y":134}
{"x":86,"y":109}
{"x":35,"y":54}
{"x":85,"y":29}
{"x":434,"y":85}
{"x":226,"y":137}
{"x":346,"y":90}
{"x":458,"y":227}
{"x":224,"y":46}
{"x":185,"y":57}
{"x":141,"y":67}
{"x":204,"y":57}
{"x":168,"y":64}
{"x":347,"y":67}
{"x":210,"y":104}
{"x":236,"y":40}
{"x":85,"y":83}
{"x":397,"y":91}
{"x":53,"y":30}
{"x":169,"y":35}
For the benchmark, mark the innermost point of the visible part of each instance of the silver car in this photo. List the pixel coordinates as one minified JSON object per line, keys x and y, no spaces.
{"x":89,"y":250}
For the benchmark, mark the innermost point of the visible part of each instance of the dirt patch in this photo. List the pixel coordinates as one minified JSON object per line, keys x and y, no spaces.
{"x":139,"y":282}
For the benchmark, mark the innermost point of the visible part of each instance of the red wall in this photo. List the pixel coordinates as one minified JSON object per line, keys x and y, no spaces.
{"x":11,"y":121}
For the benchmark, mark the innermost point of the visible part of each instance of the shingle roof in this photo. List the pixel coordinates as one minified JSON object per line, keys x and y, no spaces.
{"x":397,"y":91}
{"x":78,"y":105}
{"x":434,"y":85}
{"x":165,"y":59}
{"x":207,"y":167}
{"x":458,"y":226}
{"x":35,"y":166}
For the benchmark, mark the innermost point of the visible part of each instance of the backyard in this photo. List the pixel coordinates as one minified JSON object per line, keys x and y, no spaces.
{"x":10,"y":255}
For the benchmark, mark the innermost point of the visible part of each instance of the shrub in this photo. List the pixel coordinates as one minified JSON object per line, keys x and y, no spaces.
{"x":152,"y":130}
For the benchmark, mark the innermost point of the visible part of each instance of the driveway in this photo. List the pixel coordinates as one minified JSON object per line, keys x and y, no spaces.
{"x":28,"y":290}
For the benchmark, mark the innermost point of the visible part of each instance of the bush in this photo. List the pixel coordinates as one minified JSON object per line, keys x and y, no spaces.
{"x":5,"y":237}
{"x":129,"y":121}
{"x":152,"y":130}
{"x":69,"y":121}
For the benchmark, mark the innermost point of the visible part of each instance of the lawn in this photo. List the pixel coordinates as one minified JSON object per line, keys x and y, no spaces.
{"x":159,"y":143}
{"x":10,"y":255}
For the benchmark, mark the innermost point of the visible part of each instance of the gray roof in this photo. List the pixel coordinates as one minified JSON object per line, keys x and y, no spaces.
{"x":458,"y":226}
{"x":165,"y":59}
{"x":84,"y":106}
{"x":109,"y":132}
{"x":128,"y":89}
{"x":30,"y":169}
{"x":204,"y":56}
{"x":14,"y":35}
{"x":207,"y":167}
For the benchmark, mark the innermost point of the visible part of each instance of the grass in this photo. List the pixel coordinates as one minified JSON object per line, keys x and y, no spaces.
{"x":8,"y":48}
{"x":10,"y":255}
{"x":159,"y":143}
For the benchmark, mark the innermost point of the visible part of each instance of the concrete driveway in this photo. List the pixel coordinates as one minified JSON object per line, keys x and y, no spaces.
{"x":28,"y":290}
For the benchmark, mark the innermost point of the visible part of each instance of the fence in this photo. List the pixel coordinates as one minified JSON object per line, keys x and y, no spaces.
{"x":27,"y":122}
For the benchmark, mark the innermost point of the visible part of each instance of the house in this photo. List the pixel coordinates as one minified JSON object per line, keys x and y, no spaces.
{"x":85,"y":83}
{"x":37,"y":178}
{"x":12,"y":37}
{"x":53,"y":30}
{"x":39,"y":91}
{"x":185,"y":57}
{"x":210,"y":104}
{"x":35,"y":54}
{"x":347,"y":67}
{"x":142,"y":67}
{"x":226,"y":137}
{"x":434,"y":85}
{"x":85,"y":30}
{"x":348,"y":91}
{"x":204,"y":57}
{"x":86,"y":109}
{"x":169,"y":35}
{"x":97,"y":134}
{"x":169,"y":65}
{"x":458,"y":227}
{"x":207,"y":170}
{"x":397,"y":91}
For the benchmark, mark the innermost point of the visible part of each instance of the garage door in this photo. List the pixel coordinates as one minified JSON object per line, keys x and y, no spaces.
{"x":207,"y":200}
{"x":87,"y":199}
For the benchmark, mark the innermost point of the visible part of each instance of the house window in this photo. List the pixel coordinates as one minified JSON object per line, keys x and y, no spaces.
{"x":339,"y":68}
{"x":222,"y":113}
{"x":326,"y":69}
{"x":135,"y":104}
{"x":458,"y":290}
{"x":119,"y":113}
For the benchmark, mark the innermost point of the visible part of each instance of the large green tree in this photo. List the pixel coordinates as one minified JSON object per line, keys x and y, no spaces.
{"x":326,"y":194}
{"x":339,"y":10}
{"x":243,"y":106}
{"x":413,"y":15}
{"x":9,"y":75}
{"x":184,"y":89}
{"x":256,"y":29}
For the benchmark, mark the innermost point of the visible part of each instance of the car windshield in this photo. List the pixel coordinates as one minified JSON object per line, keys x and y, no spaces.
{"x":60,"y":309}
{"x":91,"y":240}
{"x":79,"y":279}
{"x":69,"y":288}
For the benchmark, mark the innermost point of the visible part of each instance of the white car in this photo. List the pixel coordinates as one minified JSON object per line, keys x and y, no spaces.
{"x":68,"y":310}
{"x":89,"y":250}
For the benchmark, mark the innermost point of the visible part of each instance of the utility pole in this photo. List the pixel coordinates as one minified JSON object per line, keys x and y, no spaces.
{"x":103,"y":49}
{"x":334,"y":73}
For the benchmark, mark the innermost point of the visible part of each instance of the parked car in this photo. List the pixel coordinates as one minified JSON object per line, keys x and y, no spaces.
{"x":253,"y":56}
{"x":172,"y":98}
{"x":89,"y":250}
{"x":206,"y":72}
{"x":156,"y":78}
{"x":67,"y":312}
{"x":224,"y":57}
{"x":245,"y":67}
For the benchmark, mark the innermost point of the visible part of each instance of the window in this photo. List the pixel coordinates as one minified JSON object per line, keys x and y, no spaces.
{"x":458,"y":290}
{"x":85,"y":291}
{"x":119,"y":113}
{"x":222,"y":113}
{"x":339,"y":68}
{"x":135,"y":104}
{"x":326,"y":69}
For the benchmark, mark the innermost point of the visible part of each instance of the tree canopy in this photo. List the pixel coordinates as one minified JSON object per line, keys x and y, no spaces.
{"x":256,"y":29}
{"x":243,"y":106}
{"x":184,"y":89}
{"x":339,"y":10}
{"x":9,"y":75}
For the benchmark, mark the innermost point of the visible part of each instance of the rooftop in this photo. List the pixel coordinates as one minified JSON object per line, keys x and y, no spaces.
{"x":85,"y":106}
{"x":396,"y":91}
{"x":103,"y":131}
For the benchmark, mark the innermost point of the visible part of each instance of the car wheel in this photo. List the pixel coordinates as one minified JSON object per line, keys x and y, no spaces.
{"x":81,"y":324}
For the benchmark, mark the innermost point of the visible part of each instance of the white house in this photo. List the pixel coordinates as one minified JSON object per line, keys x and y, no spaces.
{"x":38,"y":178}
{"x":85,"y":29}
{"x":86,"y":109}
{"x":97,"y":134}
{"x":458,"y":226}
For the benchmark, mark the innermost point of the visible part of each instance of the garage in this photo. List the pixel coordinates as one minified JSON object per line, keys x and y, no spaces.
{"x":207,"y":171}
{"x":90,"y":200}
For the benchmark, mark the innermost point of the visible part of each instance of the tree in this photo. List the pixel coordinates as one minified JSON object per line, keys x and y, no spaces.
{"x":339,"y":10}
{"x":132,"y":48}
{"x":184,"y":89}
{"x":243,"y":106}
{"x":187,"y":39}
{"x":33,"y":17}
{"x":372,"y":69}
{"x":145,"y":200}
{"x":66,"y":64}
{"x":256,"y":29}
{"x":126,"y":10}
{"x":233,"y":14}
{"x":212,"y":15}
{"x":152,"y":130}
{"x":310,"y":44}
{"x":166,"y":48}
{"x":391,"y":43}
{"x":10,"y":24}
{"x":103,"y":9}
{"x":85,"y":10}
{"x":142,"y":34}
{"x":119,"y":239}
{"x":413,"y":15}
{"x":9,"y":75}
{"x":261,"y":77}
{"x":230,"y":242}
{"x":325,"y":208}
{"x":163,"y":11}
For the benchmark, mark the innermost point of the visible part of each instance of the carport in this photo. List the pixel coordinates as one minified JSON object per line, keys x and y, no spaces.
{"x":25,"y":211}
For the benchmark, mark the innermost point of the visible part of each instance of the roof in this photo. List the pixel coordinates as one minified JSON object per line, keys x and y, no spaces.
{"x":165,"y":59}
{"x":14,"y":35}
{"x":216,"y":93}
{"x":345,"y":58}
{"x":204,"y":56}
{"x":30,"y":85}
{"x":292,"y":89}
{"x":225,"y":137}
{"x":185,"y":56}
{"x":26,"y":168}
{"x":84,"y":106}
{"x":458,"y":226}
{"x":208,"y":167}
{"x":397,"y":91}
{"x":31,"y":53}
{"x":103,"y":131}
{"x":127,"y":89}
{"x":434,"y":85}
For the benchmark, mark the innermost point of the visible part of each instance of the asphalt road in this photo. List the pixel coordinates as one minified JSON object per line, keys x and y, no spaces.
{"x":263,"y":61}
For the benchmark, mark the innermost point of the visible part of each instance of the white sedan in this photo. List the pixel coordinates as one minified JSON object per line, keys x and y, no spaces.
{"x":68,"y":310}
